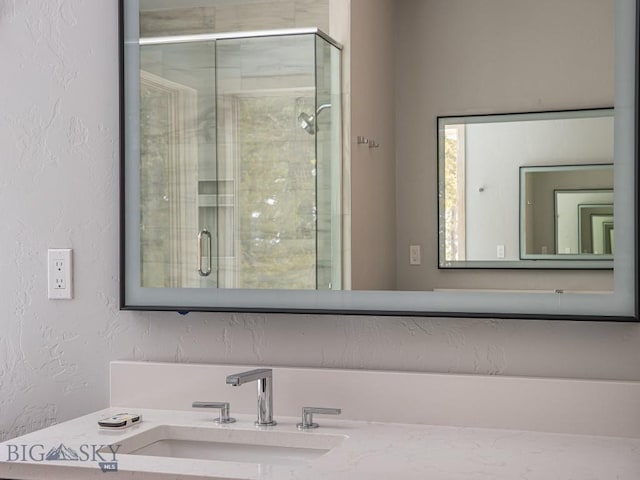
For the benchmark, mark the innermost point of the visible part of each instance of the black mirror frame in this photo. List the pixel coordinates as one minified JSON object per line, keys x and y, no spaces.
{"x":442,"y":314}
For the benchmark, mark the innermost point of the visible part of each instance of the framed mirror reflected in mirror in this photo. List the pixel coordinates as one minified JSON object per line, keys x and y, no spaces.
{"x":567,"y":229}
{"x":500,"y":178}
{"x":277,"y":157}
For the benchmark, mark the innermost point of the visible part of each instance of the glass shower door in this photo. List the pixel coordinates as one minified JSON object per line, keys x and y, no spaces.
{"x":177,"y":165}
{"x":329,"y":167}
{"x":263,"y":84}
{"x":240,"y":163}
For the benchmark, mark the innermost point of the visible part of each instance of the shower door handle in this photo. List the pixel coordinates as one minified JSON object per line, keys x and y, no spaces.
{"x":203,"y":236}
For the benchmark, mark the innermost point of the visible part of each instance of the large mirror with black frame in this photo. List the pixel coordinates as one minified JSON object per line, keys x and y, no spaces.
{"x":282,"y":156}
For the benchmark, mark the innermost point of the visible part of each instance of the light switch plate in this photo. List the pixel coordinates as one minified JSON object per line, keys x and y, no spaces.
{"x":414,"y":255}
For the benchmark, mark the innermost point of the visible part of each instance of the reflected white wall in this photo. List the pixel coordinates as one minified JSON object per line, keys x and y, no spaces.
{"x":494,"y":154}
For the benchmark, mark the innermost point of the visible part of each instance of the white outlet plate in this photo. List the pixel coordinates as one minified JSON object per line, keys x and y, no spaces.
{"x":414,"y":255}
{"x":59,"y":279}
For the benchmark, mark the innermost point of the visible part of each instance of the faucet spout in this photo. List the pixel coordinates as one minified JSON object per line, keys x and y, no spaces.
{"x":238,"y":379}
{"x":264,"y":377}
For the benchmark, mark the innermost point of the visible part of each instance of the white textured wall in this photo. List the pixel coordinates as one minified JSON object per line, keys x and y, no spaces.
{"x":59,"y":188}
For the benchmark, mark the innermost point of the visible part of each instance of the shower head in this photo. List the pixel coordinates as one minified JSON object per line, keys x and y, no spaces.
{"x":308,"y":122}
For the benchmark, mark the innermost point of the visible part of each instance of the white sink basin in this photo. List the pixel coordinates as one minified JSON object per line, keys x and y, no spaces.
{"x":229,"y":445}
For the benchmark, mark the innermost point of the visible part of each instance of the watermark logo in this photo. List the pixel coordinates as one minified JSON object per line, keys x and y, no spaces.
{"x":103,"y":455}
{"x":62,"y":453}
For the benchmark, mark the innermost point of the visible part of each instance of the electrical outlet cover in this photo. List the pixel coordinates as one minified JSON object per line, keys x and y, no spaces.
{"x":59,"y":268}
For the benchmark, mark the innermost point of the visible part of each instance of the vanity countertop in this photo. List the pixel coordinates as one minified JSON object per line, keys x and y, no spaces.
{"x":371,"y":450}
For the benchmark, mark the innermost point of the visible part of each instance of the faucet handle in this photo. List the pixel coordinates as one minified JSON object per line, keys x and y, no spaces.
{"x":307,"y":416}
{"x":224,"y":410}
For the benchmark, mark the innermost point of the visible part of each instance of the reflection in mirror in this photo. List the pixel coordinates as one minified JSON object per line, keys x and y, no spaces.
{"x":497,"y":209}
{"x":260,"y":243}
{"x":573,"y":235}
{"x":601,"y":234}
{"x":555,"y":207}
{"x":240,"y":161}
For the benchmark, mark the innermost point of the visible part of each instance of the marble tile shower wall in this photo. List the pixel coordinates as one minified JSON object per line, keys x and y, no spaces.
{"x":241,"y":15}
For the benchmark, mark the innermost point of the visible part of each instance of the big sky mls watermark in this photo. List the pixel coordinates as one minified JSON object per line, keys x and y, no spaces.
{"x":103,"y":455}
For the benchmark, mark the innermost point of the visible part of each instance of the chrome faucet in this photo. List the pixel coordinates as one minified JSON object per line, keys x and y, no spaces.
{"x":264,"y":377}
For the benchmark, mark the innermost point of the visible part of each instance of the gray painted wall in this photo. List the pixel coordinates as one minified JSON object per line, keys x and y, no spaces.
{"x":373,"y":186}
{"x":59,"y":188}
{"x":494,"y":56}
